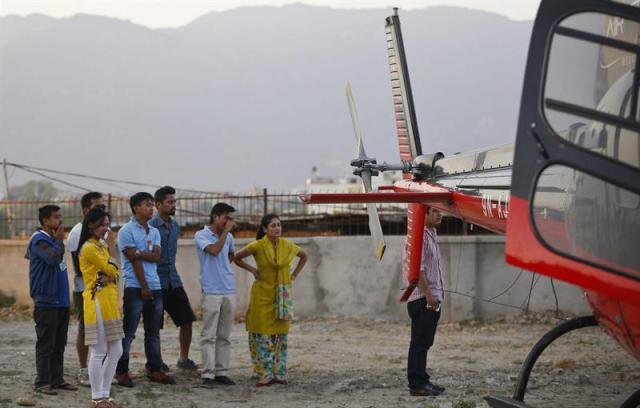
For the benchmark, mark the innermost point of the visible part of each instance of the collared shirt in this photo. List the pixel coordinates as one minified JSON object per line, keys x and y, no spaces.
{"x":134,"y":235}
{"x":429,"y":266}
{"x":216,"y":275}
{"x":169,"y":233}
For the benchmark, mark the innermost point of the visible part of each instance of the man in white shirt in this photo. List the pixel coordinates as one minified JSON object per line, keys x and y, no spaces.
{"x":88,"y":201}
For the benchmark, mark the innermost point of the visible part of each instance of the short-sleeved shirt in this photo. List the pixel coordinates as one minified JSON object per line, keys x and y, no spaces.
{"x":216,"y":274}
{"x":134,"y":235}
{"x":430,"y":266}
{"x":169,"y":233}
{"x":73,"y":239}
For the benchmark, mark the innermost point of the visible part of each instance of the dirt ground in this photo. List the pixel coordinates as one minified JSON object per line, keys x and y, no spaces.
{"x":349,"y":362}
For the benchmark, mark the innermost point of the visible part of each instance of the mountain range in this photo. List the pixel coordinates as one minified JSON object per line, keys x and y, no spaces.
{"x":251,"y":97}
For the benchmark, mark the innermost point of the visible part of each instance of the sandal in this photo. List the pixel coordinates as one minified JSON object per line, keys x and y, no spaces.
{"x":281,"y":381}
{"x":65,"y":386}
{"x":100,"y":403}
{"x":46,"y":389}
{"x":265,"y":382}
{"x":113,"y":403}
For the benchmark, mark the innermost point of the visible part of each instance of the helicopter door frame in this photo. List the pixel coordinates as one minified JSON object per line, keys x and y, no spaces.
{"x":543,"y":155}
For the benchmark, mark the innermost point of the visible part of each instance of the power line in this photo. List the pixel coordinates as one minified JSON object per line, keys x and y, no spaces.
{"x":54,"y":179}
{"x":106,"y":179}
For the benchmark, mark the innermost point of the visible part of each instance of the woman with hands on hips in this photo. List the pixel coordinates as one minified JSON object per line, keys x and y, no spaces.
{"x":270,"y":304}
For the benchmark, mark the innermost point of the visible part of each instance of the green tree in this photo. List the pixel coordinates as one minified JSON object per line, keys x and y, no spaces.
{"x":40,"y":190}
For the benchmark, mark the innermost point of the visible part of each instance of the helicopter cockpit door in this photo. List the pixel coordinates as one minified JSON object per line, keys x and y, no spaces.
{"x":574,"y":212}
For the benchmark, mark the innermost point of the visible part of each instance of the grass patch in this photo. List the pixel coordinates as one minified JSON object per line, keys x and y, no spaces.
{"x":6,"y":299}
{"x":10,"y":373}
{"x":146,"y":393}
{"x":464,"y":404}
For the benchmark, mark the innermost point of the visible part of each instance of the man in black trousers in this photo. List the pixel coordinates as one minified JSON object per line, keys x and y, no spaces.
{"x":424,"y":308}
{"x":49,"y":288}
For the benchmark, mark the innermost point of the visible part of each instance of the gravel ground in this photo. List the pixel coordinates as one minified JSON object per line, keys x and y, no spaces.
{"x":349,"y":362}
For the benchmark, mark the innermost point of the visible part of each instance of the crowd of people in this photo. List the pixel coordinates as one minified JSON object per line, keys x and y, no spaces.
{"x":143,"y":258}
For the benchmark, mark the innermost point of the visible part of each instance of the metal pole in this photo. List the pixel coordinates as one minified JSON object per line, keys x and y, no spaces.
{"x":12,"y":231}
{"x":264,"y":202}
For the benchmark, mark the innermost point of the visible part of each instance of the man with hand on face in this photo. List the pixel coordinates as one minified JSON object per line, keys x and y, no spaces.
{"x":49,"y":289}
{"x":214,"y":244}
{"x":175,"y":299}
{"x":87,"y":202}
{"x":139,"y":244}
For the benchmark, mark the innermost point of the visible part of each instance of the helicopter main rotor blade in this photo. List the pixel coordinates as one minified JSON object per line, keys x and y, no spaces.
{"x":362,"y":154}
{"x":374,"y":220}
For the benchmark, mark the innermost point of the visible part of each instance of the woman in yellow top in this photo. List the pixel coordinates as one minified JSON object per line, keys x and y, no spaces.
{"x":102,"y":320}
{"x":270,"y":305}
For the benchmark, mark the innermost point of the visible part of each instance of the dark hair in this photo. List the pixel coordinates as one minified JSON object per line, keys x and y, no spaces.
{"x":137,"y":198}
{"x":46,"y":211}
{"x":86,"y":199}
{"x":264,"y":223}
{"x":219,"y":209}
{"x":162,"y":192}
{"x":91,"y":220}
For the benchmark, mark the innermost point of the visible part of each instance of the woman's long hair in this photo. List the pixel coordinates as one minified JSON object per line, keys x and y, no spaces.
{"x":264,"y":223}
{"x":93,"y":218}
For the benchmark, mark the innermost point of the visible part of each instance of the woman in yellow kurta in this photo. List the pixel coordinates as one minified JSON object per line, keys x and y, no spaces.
{"x":270,"y":304}
{"x":103,"y":323}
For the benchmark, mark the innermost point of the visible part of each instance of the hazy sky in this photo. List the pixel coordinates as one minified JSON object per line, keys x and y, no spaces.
{"x":174,"y":13}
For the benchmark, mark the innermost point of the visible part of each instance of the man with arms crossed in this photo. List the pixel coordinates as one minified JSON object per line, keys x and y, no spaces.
{"x":87,"y":202}
{"x":424,"y":307}
{"x":175,"y":299}
{"x":139,"y":244}
{"x":214,"y":244}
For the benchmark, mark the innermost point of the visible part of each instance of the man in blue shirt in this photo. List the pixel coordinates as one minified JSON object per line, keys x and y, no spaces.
{"x":49,"y":289}
{"x":214,"y":244}
{"x":175,"y":299}
{"x":139,"y":244}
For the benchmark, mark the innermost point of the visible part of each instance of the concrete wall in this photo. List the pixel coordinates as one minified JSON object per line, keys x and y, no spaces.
{"x":343,"y":278}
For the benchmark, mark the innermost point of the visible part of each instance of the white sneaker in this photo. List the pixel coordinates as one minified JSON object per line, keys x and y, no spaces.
{"x":83,"y":377}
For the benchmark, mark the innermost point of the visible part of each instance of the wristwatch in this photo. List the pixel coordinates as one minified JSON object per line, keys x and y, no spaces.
{"x":138,"y":254}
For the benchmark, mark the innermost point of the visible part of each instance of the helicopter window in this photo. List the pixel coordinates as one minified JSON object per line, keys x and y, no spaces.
{"x":591,"y":85}
{"x":588,"y":219}
{"x":604,"y":25}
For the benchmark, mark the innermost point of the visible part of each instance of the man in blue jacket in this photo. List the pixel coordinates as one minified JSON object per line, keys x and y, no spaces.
{"x":49,"y":288}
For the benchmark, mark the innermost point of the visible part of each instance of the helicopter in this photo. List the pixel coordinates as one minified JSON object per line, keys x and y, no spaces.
{"x":566,"y":194}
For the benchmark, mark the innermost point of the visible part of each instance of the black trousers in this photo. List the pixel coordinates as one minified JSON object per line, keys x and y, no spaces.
{"x":423,"y":331}
{"x":52,"y":324}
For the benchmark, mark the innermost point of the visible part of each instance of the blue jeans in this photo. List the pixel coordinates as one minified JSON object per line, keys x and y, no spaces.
{"x":151,"y":311}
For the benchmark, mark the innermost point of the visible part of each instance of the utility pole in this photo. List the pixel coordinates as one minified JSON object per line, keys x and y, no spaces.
{"x":12,"y":231}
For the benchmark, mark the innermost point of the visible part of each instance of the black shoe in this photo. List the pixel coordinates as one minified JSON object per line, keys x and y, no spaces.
{"x":208,"y":383}
{"x":224,"y":380}
{"x":436,"y":387}
{"x":165,"y":368}
{"x":427,"y":391}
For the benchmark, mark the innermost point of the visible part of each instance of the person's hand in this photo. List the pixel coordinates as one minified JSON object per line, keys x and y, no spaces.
{"x":146,"y":293}
{"x":111,"y":237}
{"x":432,"y":303}
{"x":59,"y":233}
{"x":229,"y":225}
{"x":255,"y":273}
{"x":104,"y":279}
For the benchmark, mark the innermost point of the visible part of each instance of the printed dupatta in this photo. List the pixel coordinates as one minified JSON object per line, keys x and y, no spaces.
{"x":281,"y":260}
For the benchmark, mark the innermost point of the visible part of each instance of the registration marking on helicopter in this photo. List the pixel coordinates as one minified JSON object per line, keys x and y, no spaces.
{"x":495,"y":205}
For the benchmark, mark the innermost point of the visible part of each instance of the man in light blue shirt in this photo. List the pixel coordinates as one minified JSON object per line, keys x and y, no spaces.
{"x":214,"y":244}
{"x":139,"y":244}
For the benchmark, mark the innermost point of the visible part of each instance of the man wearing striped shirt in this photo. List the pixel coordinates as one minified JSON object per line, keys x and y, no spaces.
{"x":424,"y":307}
